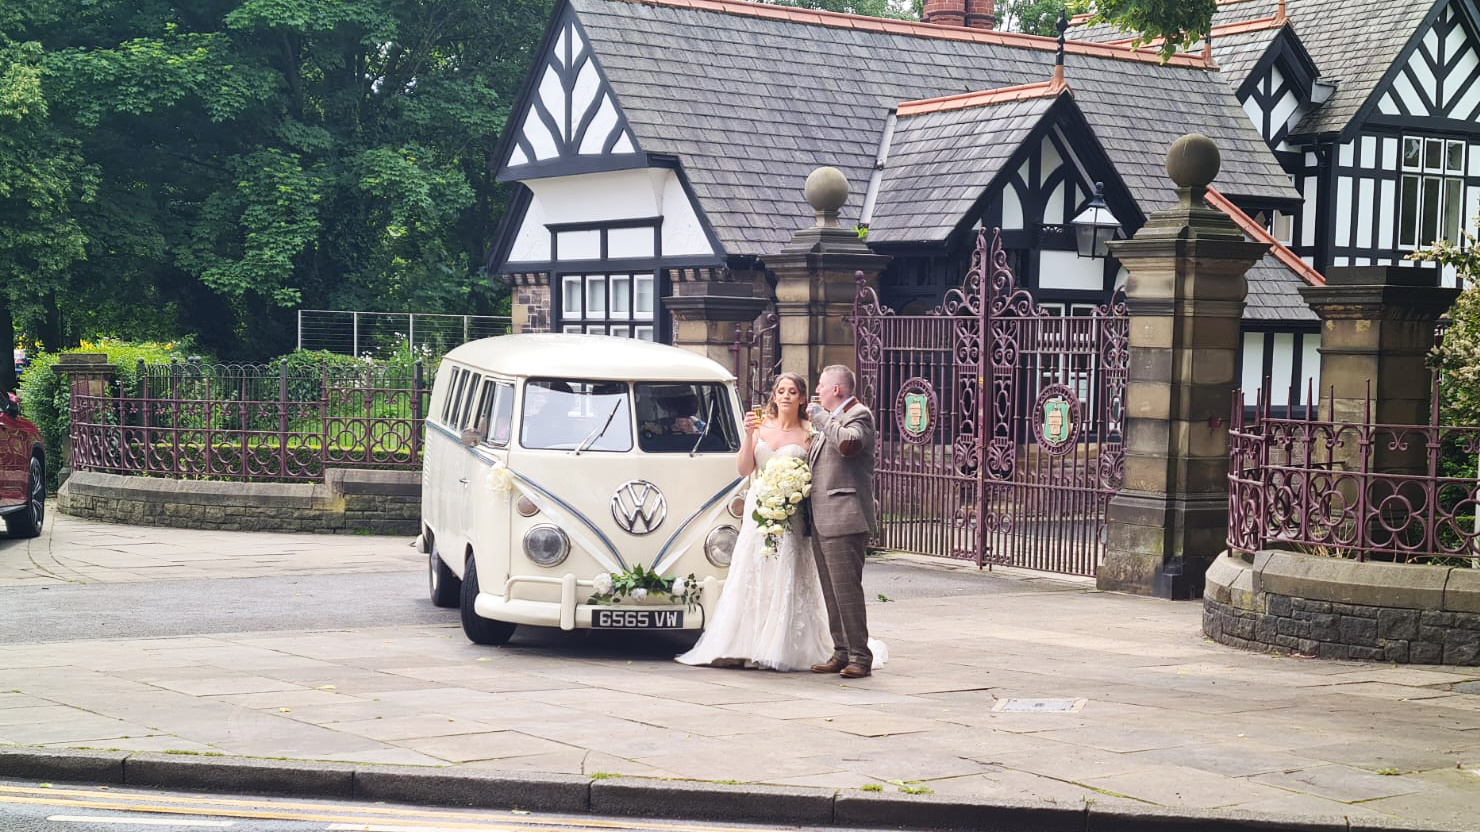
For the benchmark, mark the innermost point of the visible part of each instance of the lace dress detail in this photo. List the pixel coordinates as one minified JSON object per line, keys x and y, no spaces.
{"x":771,"y":613}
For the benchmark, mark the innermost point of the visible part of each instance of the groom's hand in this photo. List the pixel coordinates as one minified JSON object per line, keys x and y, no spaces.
{"x":815,"y":413}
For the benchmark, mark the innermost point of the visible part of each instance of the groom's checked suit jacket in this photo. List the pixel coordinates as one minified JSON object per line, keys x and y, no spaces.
{"x":842,"y":461}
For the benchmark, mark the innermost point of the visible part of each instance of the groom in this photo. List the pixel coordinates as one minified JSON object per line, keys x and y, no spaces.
{"x":842,"y":460}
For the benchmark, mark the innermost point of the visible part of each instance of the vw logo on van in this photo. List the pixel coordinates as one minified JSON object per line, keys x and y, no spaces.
{"x":639,"y":507}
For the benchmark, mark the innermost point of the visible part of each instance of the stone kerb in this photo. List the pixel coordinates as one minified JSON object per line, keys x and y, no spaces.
{"x":349,"y":500}
{"x":1344,"y":609}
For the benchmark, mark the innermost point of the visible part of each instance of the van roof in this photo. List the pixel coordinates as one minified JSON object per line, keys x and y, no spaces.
{"x":601,"y":357}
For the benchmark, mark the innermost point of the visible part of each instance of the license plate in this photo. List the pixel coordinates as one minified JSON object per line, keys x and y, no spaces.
{"x":624,"y":619}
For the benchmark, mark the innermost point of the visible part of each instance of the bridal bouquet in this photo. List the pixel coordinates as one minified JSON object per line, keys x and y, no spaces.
{"x":780,"y":489}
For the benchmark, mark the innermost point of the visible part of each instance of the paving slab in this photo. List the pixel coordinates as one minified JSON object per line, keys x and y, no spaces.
{"x":1169,"y":722}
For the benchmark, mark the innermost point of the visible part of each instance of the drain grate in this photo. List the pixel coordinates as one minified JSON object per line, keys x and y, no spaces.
{"x":1039,"y":705}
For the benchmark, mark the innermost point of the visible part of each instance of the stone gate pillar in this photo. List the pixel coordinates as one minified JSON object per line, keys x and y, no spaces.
{"x":87,"y":374}
{"x":705,"y":314}
{"x":1377,"y":327}
{"x":1185,"y":297}
{"x":815,"y":282}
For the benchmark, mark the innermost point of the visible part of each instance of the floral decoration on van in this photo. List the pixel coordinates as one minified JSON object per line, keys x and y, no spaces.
{"x":640,"y":584}
{"x":500,"y":480}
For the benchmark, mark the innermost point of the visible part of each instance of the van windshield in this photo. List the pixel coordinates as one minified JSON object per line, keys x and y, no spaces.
{"x":565,"y":414}
{"x":679,"y":417}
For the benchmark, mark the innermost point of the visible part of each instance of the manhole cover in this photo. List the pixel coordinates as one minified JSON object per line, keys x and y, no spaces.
{"x":1039,"y":705}
{"x":1467,"y":687}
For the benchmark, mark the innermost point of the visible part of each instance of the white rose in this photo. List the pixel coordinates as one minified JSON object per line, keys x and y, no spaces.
{"x":639,"y":594}
{"x":796,"y":498}
{"x":680,"y":586}
{"x":602,"y":583}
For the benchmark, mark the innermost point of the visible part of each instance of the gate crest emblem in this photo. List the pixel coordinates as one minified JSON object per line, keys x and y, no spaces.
{"x":639,"y":507}
{"x":914,"y":410}
{"x":1058,"y":415}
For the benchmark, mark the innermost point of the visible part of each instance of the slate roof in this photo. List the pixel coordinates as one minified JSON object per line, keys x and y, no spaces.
{"x":1237,"y":54}
{"x":751,"y":98}
{"x":1352,"y":44}
{"x":1274,"y":293}
{"x":940,"y":163}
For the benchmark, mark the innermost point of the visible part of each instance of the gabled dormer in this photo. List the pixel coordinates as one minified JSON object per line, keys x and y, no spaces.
{"x":1280,"y":88}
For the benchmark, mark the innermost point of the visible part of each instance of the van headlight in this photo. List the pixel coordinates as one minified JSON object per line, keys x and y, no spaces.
{"x":546,"y":545}
{"x":719,"y":546}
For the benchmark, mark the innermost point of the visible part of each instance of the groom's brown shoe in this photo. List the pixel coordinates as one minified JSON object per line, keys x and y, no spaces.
{"x":832,"y":665}
{"x":854,"y":670}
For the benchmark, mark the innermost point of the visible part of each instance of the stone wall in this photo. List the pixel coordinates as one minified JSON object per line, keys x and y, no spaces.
{"x":1342,"y":609}
{"x":349,"y":500}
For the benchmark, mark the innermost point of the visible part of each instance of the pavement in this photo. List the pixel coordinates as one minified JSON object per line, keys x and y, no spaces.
{"x":1010,"y":701}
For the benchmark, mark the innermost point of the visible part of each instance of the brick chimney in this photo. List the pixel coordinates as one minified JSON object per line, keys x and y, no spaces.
{"x":981,"y":14}
{"x":946,"y":12}
{"x":977,"y":14}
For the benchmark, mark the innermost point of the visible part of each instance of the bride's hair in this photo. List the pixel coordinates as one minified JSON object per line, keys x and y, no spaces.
{"x":801,"y":385}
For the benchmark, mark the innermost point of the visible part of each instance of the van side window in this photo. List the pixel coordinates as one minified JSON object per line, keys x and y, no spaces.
{"x":449,"y":404}
{"x":464,"y":414}
{"x":501,"y":421}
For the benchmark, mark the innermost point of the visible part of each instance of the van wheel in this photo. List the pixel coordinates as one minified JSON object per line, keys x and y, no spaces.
{"x":444,"y":584}
{"x":27,"y":521}
{"x":480,"y":630}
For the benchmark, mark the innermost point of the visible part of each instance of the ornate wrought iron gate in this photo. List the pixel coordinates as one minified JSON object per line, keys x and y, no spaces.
{"x":1000,"y":423}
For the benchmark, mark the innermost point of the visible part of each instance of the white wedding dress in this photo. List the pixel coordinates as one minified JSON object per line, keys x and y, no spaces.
{"x":771,"y":613}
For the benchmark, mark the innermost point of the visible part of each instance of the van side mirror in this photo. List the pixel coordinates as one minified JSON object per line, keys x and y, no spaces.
{"x":471,"y":437}
{"x":10,"y":405}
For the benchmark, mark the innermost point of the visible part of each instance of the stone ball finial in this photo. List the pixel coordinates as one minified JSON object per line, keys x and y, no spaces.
{"x":1193,"y":161}
{"x":826,"y":191}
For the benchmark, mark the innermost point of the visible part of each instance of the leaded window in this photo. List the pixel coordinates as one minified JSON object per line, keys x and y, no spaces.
{"x":1431,"y":205}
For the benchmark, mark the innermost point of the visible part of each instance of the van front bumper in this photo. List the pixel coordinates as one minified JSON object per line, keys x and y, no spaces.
{"x":570,"y":614}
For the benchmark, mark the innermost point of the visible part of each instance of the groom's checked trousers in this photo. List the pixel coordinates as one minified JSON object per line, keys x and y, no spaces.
{"x":840,"y":566}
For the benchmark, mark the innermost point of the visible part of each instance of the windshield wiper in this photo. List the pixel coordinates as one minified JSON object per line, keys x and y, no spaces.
{"x":708,"y":422}
{"x":598,"y":433}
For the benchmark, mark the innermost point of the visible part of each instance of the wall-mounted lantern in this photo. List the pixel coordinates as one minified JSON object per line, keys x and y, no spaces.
{"x":1095,"y":226}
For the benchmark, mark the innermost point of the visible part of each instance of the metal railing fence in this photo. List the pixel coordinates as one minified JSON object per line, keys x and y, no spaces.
{"x":380,"y":334}
{"x":252,"y":422}
{"x":1360,"y":489}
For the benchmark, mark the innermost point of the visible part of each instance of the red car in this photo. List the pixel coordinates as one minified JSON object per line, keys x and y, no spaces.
{"x":22,"y":471}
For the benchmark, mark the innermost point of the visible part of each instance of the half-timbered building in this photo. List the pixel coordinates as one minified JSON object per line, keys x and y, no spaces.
{"x":658,"y":142}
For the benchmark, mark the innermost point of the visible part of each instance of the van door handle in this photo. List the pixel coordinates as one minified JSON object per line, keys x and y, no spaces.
{"x":463,"y":480}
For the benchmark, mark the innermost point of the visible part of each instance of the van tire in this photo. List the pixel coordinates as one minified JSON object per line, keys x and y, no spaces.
{"x":443,"y":584}
{"x":480,"y":630}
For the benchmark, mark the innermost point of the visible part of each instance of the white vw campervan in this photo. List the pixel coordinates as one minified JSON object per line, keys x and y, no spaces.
{"x":555,"y":462}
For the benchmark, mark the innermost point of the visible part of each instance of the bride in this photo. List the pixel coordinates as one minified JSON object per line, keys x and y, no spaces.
{"x":771,"y":613}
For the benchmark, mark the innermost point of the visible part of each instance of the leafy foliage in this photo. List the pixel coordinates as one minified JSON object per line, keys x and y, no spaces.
{"x":1178,"y":24}
{"x":221,"y":161}
{"x":1457,"y":357}
{"x":1037,"y":17}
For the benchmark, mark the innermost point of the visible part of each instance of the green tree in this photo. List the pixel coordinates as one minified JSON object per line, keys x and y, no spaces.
{"x":1177,"y":23}
{"x":42,"y":175}
{"x":1457,"y":357}
{"x":257,"y":155}
{"x":1037,"y":17}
